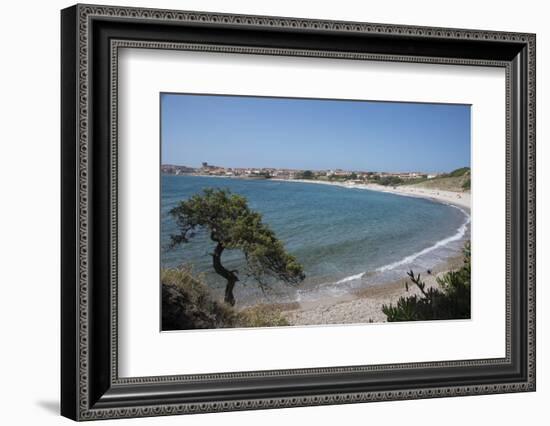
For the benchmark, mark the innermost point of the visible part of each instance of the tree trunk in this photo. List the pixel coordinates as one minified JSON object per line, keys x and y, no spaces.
{"x":229,"y":298}
{"x":230,"y":276}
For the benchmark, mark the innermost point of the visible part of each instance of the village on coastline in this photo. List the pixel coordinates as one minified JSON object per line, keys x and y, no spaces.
{"x":447,"y":187}
{"x":350,"y":176}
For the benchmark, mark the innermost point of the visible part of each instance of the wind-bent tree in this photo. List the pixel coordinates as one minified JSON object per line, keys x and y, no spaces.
{"x":232,"y":225}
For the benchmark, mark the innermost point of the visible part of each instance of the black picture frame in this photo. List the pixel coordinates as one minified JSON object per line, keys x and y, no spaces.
{"x":90,"y":386}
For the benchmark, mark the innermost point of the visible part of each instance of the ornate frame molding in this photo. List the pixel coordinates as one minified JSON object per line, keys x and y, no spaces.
{"x":79,"y":20}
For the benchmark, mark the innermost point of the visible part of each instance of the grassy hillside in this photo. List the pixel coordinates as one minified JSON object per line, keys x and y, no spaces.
{"x":458,"y":180}
{"x":463,"y":171}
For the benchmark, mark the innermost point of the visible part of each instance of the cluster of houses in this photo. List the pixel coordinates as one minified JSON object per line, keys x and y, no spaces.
{"x":212,"y":170}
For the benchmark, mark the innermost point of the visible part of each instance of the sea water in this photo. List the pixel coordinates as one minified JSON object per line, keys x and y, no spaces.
{"x":345,"y":238}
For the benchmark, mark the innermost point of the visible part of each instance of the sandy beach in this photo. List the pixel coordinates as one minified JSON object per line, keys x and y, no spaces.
{"x":461,"y":199}
{"x":365,"y":305}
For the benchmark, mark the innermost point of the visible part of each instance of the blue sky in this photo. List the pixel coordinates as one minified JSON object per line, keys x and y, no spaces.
{"x":235,"y":131}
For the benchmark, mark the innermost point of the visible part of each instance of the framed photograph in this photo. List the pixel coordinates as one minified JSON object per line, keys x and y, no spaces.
{"x":263,"y":212}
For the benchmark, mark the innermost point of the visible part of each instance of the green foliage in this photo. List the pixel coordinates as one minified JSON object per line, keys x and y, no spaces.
{"x":306,"y":174}
{"x":183,"y":278}
{"x":416,"y":180}
{"x":451,"y":300}
{"x":188,"y":304}
{"x":466,"y":185}
{"x":342,"y":177}
{"x":232,"y":225}
{"x":262,"y":316}
{"x":390,"y":181}
{"x":459,"y":172}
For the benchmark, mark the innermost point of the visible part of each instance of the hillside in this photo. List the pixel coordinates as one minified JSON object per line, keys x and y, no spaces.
{"x":187,"y":304}
{"x":458,"y":181}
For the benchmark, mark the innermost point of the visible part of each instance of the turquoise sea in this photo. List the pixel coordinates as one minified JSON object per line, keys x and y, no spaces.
{"x":346,"y":238}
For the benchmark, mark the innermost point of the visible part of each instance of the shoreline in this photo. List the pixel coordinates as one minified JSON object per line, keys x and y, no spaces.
{"x":459,"y":199}
{"x":364,"y":305}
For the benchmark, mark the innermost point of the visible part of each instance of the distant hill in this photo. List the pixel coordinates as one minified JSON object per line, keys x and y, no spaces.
{"x":172,"y":169}
{"x":458,"y":180}
{"x":459,"y":172}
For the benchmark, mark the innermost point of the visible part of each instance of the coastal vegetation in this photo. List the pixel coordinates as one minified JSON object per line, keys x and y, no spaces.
{"x":306,"y":174}
{"x":390,"y":181}
{"x":458,"y":181}
{"x":187,"y":304}
{"x":450,"y":300}
{"x":341,"y":177}
{"x":232,"y":225}
{"x":459,"y":172}
{"x":453,"y":181}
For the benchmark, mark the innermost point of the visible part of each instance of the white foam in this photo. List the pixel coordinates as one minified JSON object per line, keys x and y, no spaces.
{"x":455,"y":237}
{"x":351,"y":278}
{"x":461,"y":231}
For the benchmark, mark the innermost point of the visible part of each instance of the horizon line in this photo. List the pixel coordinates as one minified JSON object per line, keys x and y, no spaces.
{"x":311,"y":169}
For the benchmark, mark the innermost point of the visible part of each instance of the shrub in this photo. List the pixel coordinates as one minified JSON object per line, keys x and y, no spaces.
{"x":459,"y":172}
{"x":306,"y":174}
{"x":391,"y":181}
{"x":187,"y":304}
{"x":451,"y":300}
{"x":262,"y":316}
